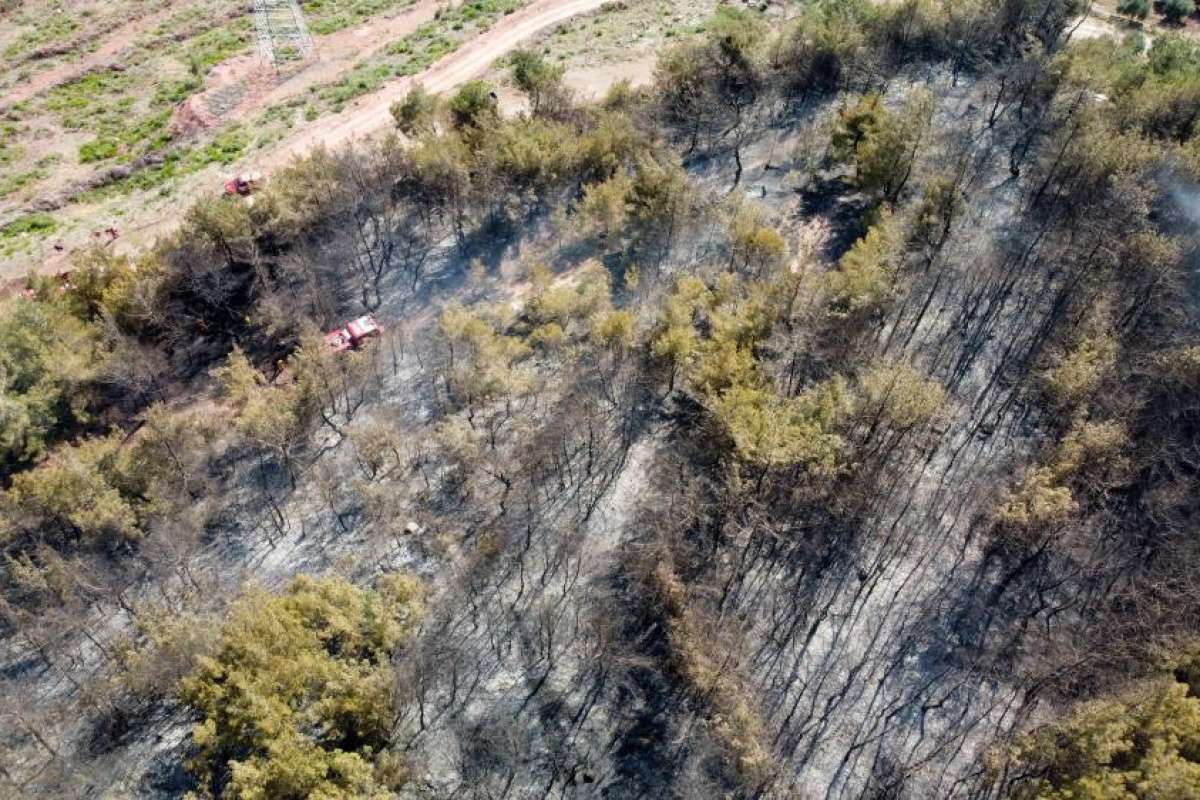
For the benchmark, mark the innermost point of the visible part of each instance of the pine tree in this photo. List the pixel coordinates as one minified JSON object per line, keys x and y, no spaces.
{"x":297,"y":698}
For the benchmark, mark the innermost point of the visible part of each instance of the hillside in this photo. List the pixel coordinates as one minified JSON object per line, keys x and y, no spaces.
{"x":116,"y":116}
{"x":813,"y":416}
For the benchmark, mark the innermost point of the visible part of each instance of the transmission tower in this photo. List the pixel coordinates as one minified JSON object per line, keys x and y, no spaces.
{"x":282,"y":34}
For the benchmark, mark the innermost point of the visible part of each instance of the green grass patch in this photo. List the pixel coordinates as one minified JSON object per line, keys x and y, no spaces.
{"x":330,"y":16}
{"x":97,"y":150}
{"x":214,"y":46}
{"x":130,"y":110}
{"x":171,"y":91}
{"x":38,"y":224}
{"x":9,"y":152}
{"x":417,"y":51}
{"x":15,"y":182}
{"x":44,"y":31}
{"x":95,"y":96}
{"x":224,"y":149}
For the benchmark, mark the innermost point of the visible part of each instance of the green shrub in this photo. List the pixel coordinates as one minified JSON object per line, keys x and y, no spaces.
{"x":97,"y":150}
{"x":1137,"y":9}
{"x":38,"y":223}
{"x":471,"y":103}
{"x":1176,"y":10}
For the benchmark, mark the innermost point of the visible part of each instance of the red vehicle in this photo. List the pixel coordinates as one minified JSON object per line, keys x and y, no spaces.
{"x":244,"y":184}
{"x":353,"y":334}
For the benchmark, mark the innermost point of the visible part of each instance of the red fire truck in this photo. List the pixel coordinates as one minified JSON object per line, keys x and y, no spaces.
{"x":353,"y":334}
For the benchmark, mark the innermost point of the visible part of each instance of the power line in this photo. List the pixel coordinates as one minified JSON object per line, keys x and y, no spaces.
{"x":282,"y":32}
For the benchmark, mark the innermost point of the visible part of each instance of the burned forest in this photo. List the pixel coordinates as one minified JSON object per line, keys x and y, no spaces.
{"x":818,"y":420}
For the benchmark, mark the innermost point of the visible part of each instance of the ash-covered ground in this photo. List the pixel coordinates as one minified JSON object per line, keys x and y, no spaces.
{"x":871,"y":651}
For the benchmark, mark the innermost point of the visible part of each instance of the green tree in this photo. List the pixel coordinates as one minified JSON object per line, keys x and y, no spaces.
{"x":676,"y":345}
{"x":864,"y":278}
{"x":1046,"y":495}
{"x":1173,"y":55}
{"x":941,"y":203}
{"x":707,"y":89}
{"x":484,"y":364}
{"x":854,"y":123}
{"x":163,"y":648}
{"x":736,"y":31}
{"x":769,"y":431}
{"x":900,"y":395}
{"x":472,"y":104}
{"x":657,"y":200}
{"x":614,"y":330}
{"x":1134,"y":9}
{"x":1176,"y":11}
{"x":328,"y":383}
{"x":675,"y":339}
{"x":171,"y":446}
{"x":1077,"y":373}
{"x":723,"y":363}
{"x":577,"y":295}
{"x":228,"y":228}
{"x":1140,"y":744}
{"x":1038,"y":500}
{"x":48,"y":357}
{"x":756,"y":248}
{"x":414,"y":112}
{"x":92,"y":492}
{"x":826,"y":46}
{"x":547,"y":336}
{"x":100,"y":281}
{"x":275,"y":417}
{"x":887,"y":151}
{"x":535,"y":76}
{"x":605,"y":205}
{"x":297,"y":700}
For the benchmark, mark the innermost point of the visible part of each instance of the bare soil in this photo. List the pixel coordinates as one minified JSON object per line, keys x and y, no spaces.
{"x":371,"y":113}
{"x":108,"y":52}
{"x":142,"y":220}
{"x":243,"y":84}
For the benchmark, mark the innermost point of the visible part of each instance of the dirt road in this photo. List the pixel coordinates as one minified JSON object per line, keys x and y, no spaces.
{"x":254,"y":88}
{"x":370,"y":113}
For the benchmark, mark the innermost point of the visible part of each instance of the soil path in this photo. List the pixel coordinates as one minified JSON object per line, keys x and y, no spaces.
{"x":243,"y":77}
{"x":112,"y":46}
{"x":338,"y":52}
{"x":1100,"y":23}
{"x":370,"y":113}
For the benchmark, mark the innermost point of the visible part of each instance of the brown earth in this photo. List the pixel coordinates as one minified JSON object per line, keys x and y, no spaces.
{"x":371,"y":113}
{"x":368,"y":114}
{"x":243,"y":84}
{"x":103,"y":57}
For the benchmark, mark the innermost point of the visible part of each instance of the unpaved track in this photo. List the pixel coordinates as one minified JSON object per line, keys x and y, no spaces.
{"x":370,"y":113}
{"x":337,"y":53}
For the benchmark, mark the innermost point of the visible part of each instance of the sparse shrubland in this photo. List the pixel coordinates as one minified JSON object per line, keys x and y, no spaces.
{"x":701,"y":503}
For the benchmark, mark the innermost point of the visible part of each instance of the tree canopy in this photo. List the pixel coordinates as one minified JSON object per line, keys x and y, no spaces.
{"x":298,"y":698}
